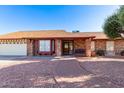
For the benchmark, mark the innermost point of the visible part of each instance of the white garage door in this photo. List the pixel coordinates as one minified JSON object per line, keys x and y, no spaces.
{"x":13,"y":49}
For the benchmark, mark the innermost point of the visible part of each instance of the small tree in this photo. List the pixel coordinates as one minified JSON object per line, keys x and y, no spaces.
{"x":111,"y":26}
{"x":121,"y":19}
{"x":114,"y":24}
{"x":121,"y":14}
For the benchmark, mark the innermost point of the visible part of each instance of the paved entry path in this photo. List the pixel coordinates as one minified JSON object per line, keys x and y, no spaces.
{"x":49,"y":72}
{"x":71,"y":74}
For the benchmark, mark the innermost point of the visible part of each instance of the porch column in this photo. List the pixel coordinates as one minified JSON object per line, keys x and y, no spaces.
{"x":88,"y":47}
{"x":29,"y":47}
{"x":58,"y":47}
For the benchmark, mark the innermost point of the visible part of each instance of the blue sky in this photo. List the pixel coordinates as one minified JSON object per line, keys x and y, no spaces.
{"x":83,"y":18}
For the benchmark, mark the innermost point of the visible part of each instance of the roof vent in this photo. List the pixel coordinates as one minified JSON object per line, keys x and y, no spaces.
{"x":75,"y":31}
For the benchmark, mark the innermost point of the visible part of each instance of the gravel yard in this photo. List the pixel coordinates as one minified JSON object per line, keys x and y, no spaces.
{"x":49,"y":72}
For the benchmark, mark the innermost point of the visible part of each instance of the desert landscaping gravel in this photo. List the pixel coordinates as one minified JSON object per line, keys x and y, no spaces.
{"x":50,"y":72}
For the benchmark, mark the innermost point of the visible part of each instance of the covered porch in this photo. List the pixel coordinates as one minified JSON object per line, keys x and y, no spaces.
{"x":59,"y":46}
{"x":73,"y":46}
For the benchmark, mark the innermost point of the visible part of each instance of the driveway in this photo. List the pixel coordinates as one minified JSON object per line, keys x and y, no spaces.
{"x":50,"y":72}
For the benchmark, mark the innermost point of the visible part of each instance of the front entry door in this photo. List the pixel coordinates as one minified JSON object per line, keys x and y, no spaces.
{"x":67,"y":47}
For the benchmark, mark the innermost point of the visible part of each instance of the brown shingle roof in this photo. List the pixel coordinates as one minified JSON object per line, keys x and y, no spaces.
{"x":44,"y":34}
{"x":98,"y":35}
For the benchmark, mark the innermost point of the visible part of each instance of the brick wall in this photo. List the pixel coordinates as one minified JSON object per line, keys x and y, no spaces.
{"x":83,"y":44}
{"x":119,"y":46}
{"x":100,"y":44}
{"x":88,"y":47}
{"x":30,"y":48}
{"x":79,"y":43}
{"x":58,"y":47}
{"x":36,"y":47}
{"x":33,"y":46}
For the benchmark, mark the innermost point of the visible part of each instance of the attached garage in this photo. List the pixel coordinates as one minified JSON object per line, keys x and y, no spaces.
{"x":13,"y":49}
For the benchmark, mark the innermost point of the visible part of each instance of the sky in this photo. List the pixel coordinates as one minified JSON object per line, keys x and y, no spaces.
{"x":51,"y":17}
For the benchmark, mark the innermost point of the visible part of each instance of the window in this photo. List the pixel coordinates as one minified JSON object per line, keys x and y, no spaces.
{"x":45,"y":45}
{"x":110,"y":45}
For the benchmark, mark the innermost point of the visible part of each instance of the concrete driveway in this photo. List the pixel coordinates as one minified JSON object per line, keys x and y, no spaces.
{"x":50,"y":72}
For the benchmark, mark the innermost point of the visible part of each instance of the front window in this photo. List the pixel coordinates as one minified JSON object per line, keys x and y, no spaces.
{"x":110,"y":45}
{"x":44,"y":45}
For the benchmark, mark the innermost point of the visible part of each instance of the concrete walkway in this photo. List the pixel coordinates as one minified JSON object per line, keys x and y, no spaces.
{"x":71,"y":74}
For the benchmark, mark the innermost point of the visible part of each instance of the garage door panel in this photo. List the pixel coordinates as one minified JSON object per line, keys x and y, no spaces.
{"x":13,"y":49}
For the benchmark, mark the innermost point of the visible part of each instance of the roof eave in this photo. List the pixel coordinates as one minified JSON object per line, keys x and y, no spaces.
{"x":57,"y":37}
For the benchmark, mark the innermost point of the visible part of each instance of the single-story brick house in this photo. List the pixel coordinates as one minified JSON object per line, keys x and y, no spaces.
{"x":57,"y":42}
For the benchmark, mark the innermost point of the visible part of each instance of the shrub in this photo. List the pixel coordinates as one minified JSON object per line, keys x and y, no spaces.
{"x":122,"y":53}
{"x":100,"y":52}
